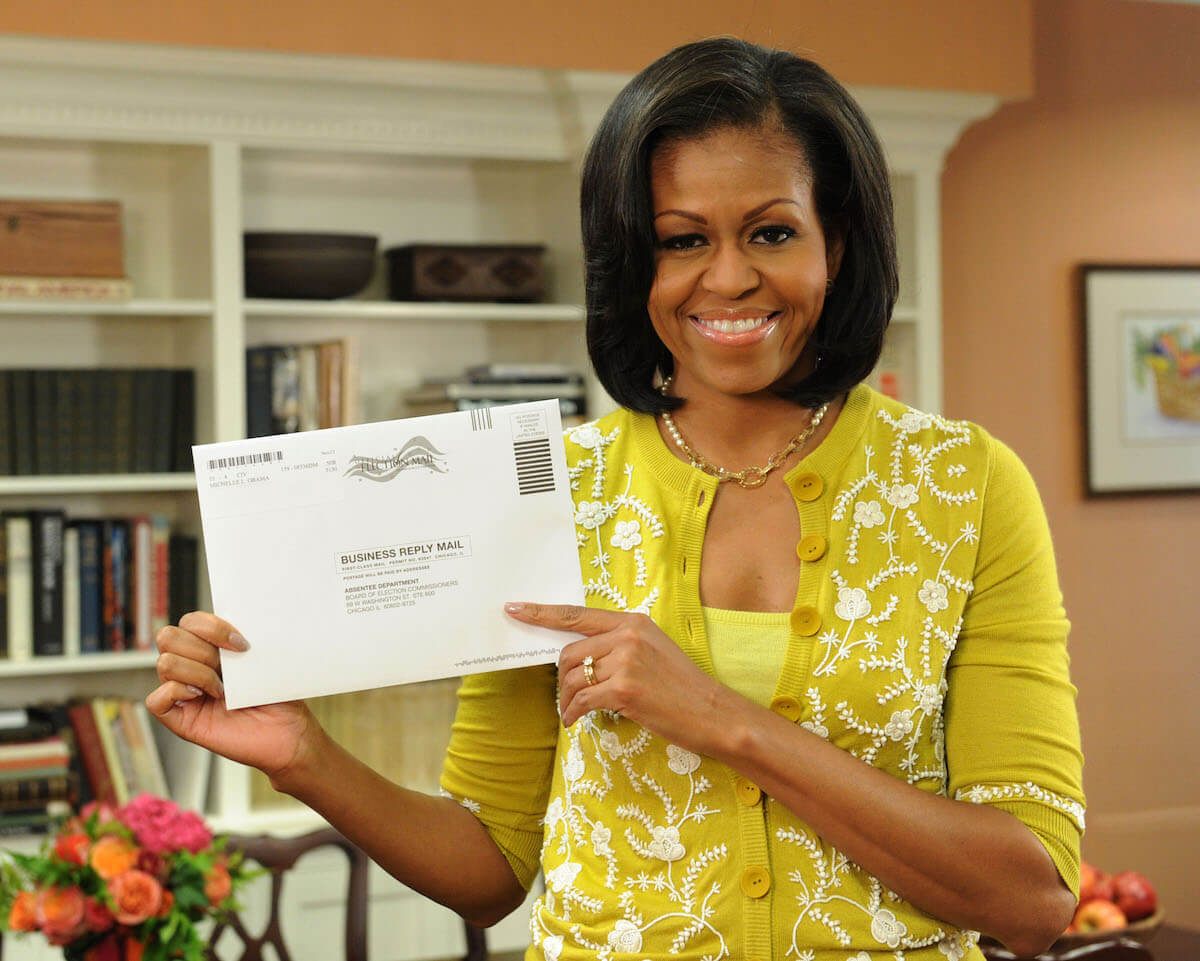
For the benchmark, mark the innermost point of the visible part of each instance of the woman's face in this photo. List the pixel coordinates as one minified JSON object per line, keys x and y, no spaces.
{"x":741,"y":260}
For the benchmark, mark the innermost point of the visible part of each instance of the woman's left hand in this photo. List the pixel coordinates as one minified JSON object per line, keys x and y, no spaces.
{"x":636,"y":670}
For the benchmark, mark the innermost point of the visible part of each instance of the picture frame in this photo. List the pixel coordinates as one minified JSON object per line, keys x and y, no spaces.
{"x":1142,"y":378}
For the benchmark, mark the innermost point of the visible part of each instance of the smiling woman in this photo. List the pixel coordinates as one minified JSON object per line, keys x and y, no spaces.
{"x":818,"y":706}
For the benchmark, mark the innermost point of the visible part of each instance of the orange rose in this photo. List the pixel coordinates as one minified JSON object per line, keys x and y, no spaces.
{"x":23,"y":916}
{"x":133,"y":949}
{"x":218,"y":884}
{"x":113,"y":855}
{"x":136,"y":896}
{"x":59,"y":914}
{"x":168,"y":901}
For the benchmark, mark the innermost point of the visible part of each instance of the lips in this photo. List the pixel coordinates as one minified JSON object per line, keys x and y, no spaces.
{"x":734,"y":326}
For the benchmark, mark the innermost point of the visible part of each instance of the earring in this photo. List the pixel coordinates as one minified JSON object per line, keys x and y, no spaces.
{"x":828,"y":285}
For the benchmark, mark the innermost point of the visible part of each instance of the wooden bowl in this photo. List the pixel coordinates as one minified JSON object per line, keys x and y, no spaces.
{"x":307,"y":266}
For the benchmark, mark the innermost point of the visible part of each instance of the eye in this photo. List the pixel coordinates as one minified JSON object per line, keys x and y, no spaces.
{"x":772,"y":236}
{"x":682,"y":242}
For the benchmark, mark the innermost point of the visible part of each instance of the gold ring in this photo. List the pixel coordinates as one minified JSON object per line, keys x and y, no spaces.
{"x":589,"y":672}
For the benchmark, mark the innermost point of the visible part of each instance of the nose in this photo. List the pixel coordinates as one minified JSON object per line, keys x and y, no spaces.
{"x":730,"y":272}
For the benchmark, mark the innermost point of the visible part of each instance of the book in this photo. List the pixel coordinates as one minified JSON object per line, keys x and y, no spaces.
{"x":91,"y":585}
{"x":32,"y":792}
{"x":183,"y":571}
{"x":45,"y":434}
{"x":17,"y":287}
{"x":122,"y":426}
{"x":183,"y":418}
{"x":314,"y":405}
{"x":147,"y":765}
{"x":6,"y":426}
{"x":71,"y":633}
{"x":18,"y":537}
{"x":258,"y":391}
{"x":142,"y":425}
{"x":66,"y":417}
{"x":51,"y":749}
{"x":115,"y":574}
{"x":141,"y":579}
{"x":105,"y":440}
{"x":91,"y":751}
{"x":331,"y":367}
{"x":285,"y":390}
{"x":21,"y":411}
{"x":160,"y":606}
{"x":162,"y":426}
{"x":107,"y":715}
{"x":3,"y":587}
{"x":501,"y":373}
{"x":46,"y":547}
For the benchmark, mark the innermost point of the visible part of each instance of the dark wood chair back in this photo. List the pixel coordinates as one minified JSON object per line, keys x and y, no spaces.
{"x":278,"y":856}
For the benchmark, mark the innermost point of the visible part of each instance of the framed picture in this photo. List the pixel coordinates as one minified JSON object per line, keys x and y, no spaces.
{"x":1142,"y":332}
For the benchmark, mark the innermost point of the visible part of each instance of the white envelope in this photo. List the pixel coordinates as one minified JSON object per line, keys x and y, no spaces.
{"x":360,"y":557}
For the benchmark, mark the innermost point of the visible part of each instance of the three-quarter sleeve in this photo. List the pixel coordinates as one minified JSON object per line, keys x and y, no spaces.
{"x":501,"y":758}
{"x":1012,"y":733}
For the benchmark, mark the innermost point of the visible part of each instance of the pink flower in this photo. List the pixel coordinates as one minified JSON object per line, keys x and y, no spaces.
{"x":136,"y":895}
{"x":160,"y":825}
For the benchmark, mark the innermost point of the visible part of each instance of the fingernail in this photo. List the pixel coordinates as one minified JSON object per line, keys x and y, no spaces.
{"x":220,"y":689}
{"x":195,"y":690}
{"x":179,"y":704}
{"x":513,"y":607}
{"x":238,"y":643}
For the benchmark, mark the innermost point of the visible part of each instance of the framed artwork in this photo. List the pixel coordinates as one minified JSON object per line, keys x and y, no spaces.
{"x":1142,"y":333}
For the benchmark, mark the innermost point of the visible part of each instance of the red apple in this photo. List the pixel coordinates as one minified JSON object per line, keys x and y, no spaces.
{"x":1098,"y":915}
{"x":1094,"y":884}
{"x":1134,"y":895}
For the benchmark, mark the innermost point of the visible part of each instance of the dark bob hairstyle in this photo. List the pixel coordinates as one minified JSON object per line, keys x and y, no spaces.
{"x":693,"y":90}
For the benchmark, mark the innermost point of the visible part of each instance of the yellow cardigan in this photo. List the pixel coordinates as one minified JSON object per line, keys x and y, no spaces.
{"x":928,"y":639}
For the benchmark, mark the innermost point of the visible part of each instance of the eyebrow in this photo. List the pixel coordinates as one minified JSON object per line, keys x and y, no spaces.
{"x":750,"y":215}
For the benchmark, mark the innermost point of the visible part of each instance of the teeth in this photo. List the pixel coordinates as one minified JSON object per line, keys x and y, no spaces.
{"x":733,"y":326}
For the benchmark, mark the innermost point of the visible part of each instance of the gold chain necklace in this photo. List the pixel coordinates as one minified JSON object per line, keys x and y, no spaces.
{"x":752,"y":476}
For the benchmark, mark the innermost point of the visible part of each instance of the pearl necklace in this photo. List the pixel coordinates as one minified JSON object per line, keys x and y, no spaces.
{"x":752,"y":476}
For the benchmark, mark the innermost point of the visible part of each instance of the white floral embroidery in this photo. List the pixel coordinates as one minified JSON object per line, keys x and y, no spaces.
{"x":681,"y":761}
{"x":666,"y":846}
{"x":868,"y":514}
{"x":601,"y":840}
{"x":820,"y":730}
{"x":886,"y":928}
{"x":861,"y":956}
{"x":587,"y":436}
{"x":554,"y":811}
{"x":625,"y":936}
{"x":552,"y":947}
{"x":852,"y":603}
{"x":982,"y":793}
{"x":573,"y":766}
{"x":563,"y":876}
{"x":929,"y":698}
{"x":953,"y":949}
{"x":934,"y":596}
{"x":589,"y":514}
{"x":901,"y":495}
{"x":610,"y":744}
{"x":912,"y":421}
{"x":626,"y":536}
{"x":900,"y":726}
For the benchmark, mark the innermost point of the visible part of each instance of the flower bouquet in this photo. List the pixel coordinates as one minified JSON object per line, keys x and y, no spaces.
{"x":124,"y":884}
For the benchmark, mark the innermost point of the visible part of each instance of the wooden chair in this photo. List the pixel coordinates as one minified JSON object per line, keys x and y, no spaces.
{"x":279,"y":855}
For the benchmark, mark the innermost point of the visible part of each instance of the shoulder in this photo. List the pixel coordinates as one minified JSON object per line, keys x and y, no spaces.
{"x":587,"y":441}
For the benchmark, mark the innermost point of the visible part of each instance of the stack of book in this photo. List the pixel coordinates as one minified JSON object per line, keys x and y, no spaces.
{"x":494,"y":385}
{"x":83,"y":586}
{"x":37,"y":783}
{"x":116,"y":745}
{"x":294,"y":387}
{"x":85,"y":421}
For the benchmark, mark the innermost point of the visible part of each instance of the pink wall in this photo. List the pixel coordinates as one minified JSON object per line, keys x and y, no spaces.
{"x":1102,"y":164}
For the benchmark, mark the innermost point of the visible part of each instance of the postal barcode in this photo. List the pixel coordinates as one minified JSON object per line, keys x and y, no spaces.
{"x":245,"y":460}
{"x":535,"y":469}
{"x":481,"y":418}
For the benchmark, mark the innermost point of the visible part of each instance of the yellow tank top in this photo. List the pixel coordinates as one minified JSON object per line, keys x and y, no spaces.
{"x":747,"y":649}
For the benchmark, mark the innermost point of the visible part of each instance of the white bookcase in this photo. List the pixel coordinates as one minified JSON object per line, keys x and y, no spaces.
{"x":201,"y":145}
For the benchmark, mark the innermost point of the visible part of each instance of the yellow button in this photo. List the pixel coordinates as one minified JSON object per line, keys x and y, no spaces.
{"x":755,"y":882}
{"x":809,"y":486}
{"x":811,"y":547}
{"x":787,"y":707}
{"x":748,"y":792}
{"x":806,"y":621}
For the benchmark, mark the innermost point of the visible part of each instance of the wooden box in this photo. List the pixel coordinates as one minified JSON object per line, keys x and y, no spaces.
{"x":485,"y":272}
{"x":46,"y":238}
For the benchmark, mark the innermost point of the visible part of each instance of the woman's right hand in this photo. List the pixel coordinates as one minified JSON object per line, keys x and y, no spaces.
{"x":190,"y":700}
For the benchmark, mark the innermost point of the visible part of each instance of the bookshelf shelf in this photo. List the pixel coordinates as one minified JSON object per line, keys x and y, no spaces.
{"x":96,"y":484}
{"x":415,"y":312}
{"x":92,"y":308}
{"x":83,"y":664}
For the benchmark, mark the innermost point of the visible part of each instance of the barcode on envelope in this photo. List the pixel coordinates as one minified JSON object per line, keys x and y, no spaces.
{"x":535,"y":468}
{"x":481,"y":418}
{"x":245,"y":460}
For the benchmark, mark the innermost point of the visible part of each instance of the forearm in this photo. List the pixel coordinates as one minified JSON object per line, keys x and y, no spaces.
{"x":970,"y":865}
{"x":432,"y":844}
